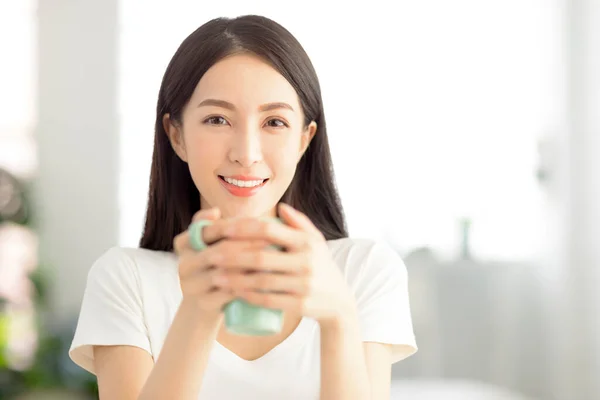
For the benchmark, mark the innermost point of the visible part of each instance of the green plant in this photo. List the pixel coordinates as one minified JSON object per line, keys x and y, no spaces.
{"x":52,"y":368}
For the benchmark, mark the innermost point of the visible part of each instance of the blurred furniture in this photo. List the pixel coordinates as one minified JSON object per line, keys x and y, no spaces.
{"x":477,"y":321}
{"x":449,"y":390}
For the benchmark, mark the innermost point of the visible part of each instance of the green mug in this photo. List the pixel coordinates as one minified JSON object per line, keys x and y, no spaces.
{"x":241,"y":317}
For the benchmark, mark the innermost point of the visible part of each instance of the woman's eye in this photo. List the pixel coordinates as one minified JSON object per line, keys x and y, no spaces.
{"x":215,"y":121}
{"x":276,"y":123}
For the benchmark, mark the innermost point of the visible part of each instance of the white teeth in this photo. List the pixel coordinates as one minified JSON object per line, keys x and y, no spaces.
{"x":243,"y":183}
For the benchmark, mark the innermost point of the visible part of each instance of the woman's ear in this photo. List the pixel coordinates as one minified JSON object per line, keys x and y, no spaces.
{"x":307,"y":136}
{"x":175,"y":135}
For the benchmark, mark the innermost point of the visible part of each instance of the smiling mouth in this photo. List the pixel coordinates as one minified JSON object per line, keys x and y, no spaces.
{"x":243,"y":183}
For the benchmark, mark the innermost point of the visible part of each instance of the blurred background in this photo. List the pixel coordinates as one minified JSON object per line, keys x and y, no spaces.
{"x":469,"y":128}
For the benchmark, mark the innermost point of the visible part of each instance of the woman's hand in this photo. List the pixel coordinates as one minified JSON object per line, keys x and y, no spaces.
{"x":197,"y":274}
{"x":303,"y":278}
{"x":200,"y":274}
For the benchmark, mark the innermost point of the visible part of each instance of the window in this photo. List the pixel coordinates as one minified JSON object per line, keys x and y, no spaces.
{"x":18,"y":82}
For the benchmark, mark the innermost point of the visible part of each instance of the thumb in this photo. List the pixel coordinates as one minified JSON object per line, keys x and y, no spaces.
{"x":296,"y":219}
{"x":207,"y":214}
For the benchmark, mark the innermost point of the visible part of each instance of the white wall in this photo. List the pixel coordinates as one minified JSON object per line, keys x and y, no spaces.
{"x":582,"y":355}
{"x":78,"y":141}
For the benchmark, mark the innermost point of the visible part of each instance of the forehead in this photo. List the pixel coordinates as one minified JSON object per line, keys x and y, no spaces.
{"x":243,"y":79}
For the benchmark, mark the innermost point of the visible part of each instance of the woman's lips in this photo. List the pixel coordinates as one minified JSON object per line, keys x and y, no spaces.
{"x":234,"y":186}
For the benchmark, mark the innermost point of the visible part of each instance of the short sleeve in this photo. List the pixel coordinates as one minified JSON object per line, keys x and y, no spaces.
{"x":383,"y":301}
{"x":111,"y":312}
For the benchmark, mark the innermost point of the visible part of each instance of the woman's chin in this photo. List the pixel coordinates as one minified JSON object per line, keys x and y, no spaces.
{"x":246,"y":212}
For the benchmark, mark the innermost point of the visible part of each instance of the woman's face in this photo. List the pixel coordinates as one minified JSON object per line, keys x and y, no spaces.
{"x":242,"y":135}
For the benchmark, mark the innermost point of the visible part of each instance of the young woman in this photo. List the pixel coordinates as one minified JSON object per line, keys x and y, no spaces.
{"x":241,"y":135}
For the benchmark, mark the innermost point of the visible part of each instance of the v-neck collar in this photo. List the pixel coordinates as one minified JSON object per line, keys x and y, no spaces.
{"x":227,"y":358}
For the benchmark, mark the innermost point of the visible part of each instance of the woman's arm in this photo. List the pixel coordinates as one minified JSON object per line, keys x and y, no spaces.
{"x":128,"y":373}
{"x":351,"y":369}
{"x":344,"y":373}
{"x":379,"y":364}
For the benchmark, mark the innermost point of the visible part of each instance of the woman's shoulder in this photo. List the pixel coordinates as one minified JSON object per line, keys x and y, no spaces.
{"x":361,"y":257}
{"x":131,"y":263}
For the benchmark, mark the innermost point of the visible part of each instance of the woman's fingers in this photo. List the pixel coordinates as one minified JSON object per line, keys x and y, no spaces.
{"x":212,"y":233}
{"x":211,"y":213}
{"x":240,"y":282}
{"x":202,"y":282}
{"x":217,"y":255}
{"x":298,"y":220}
{"x":259,"y":258}
{"x":274,"y":232}
{"x":181,"y":242}
{"x":279,"y":301}
{"x":220,"y":297}
{"x":293,"y":238}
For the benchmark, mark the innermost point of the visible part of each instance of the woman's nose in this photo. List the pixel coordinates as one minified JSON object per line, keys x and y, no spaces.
{"x":246,"y":148}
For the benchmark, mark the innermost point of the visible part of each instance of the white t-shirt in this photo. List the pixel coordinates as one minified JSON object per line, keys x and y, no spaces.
{"x":132,"y":296}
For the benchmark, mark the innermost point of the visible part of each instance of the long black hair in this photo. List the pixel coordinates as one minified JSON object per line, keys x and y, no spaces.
{"x":173,"y":198}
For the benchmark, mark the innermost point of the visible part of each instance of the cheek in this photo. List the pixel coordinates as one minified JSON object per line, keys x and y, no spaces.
{"x":286,"y":166}
{"x":204,"y":155}
{"x":283,"y":158}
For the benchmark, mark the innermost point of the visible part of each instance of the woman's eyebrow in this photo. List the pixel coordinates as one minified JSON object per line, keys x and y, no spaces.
{"x":274,"y":106}
{"x":230,"y":106}
{"x":217,"y":103}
